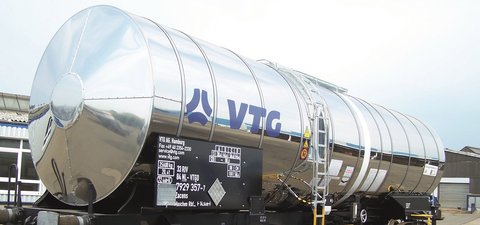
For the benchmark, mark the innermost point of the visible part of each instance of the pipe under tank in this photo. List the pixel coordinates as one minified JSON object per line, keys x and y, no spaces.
{"x":109,"y":79}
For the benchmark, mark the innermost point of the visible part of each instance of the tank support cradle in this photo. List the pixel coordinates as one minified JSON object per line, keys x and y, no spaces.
{"x":255,"y":215}
{"x":150,"y":216}
{"x":390,"y":208}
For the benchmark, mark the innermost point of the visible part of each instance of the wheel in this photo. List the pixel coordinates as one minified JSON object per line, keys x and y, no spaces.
{"x":363,"y":216}
{"x":393,"y":222}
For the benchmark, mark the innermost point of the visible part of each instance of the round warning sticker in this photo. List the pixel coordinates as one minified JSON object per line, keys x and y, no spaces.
{"x":304,"y":154}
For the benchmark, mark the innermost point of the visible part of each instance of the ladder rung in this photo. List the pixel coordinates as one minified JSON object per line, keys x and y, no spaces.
{"x":320,"y":170}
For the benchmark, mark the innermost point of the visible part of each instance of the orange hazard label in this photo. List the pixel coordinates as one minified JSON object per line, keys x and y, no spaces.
{"x":304,"y":154}
{"x":305,"y":144}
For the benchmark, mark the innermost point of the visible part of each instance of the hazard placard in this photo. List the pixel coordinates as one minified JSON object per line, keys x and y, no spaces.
{"x":306,"y":133}
{"x":304,"y":151}
{"x":304,"y":154}
{"x":305,"y":144}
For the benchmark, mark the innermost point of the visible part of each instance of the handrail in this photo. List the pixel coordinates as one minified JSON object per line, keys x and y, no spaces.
{"x":13,"y":167}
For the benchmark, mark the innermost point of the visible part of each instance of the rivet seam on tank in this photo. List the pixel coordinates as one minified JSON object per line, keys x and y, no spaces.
{"x":150,"y":60}
{"x":182,"y":78}
{"x":380,"y":138}
{"x":423,"y":145}
{"x":262,"y":101}
{"x":214,"y":85}
{"x":437,"y":179}
{"x":357,"y":125}
{"x":299,"y":106}
{"x":408,"y":143}
{"x":305,"y":82}
{"x":295,"y":94}
{"x":391,"y":142}
{"x":61,"y":82}
{"x":300,"y":111}
{"x":80,"y":40}
{"x":361,"y":124}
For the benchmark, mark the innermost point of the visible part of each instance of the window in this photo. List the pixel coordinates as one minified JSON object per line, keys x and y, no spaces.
{"x":16,"y":151}
{"x":28,"y":170}
{"x":29,"y":186}
{"x":7,"y":159}
{"x":4,"y":186}
{"x":9,"y":143}
{"x":26,"y":145}
{"x":23,"y":186}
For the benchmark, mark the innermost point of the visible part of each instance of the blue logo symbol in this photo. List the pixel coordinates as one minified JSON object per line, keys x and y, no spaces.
{"x":199,"y":117}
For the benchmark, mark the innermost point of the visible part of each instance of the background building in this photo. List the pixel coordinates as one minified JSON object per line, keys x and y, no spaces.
{"x":471,"y":149}
{"x":460,"y":185}
{"x":15,"y":148}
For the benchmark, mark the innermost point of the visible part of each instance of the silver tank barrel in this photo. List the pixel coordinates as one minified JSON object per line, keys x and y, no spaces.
{"x":109,"y":79}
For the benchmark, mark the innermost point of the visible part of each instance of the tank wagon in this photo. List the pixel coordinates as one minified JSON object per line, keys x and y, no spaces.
{"x":135,"y":122}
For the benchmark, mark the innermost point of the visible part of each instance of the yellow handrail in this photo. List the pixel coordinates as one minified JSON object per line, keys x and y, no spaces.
{"x":428,"y":216}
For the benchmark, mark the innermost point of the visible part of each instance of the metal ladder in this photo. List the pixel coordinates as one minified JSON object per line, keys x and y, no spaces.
{"x":319,"y":124}
{"x":319,"y":119}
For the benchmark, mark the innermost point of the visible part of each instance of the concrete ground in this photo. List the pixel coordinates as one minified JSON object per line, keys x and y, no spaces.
{"x":459,"y":217}
{"x":452,"y":217}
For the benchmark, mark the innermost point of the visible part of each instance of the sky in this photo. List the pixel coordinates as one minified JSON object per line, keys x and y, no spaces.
{"x":421,"y":58}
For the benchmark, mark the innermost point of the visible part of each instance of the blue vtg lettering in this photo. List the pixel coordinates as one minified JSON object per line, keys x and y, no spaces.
{"x":273,"y":125}
{"x":197,"y":114}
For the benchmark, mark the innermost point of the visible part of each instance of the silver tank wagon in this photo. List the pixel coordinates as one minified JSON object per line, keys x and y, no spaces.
{"x":109,"y":79}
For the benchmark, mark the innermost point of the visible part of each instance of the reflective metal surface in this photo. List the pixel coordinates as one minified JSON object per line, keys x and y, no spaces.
{"x":416,"y":154}
{"x":91,"y":105}
{"x":384,"y":153}
{"x":108,"y":80}
{"x":198,"y":87}
{"x":237,"y":92}
{"x":285,"y":147}
{"x":376,"y":149}
{"x":167,"y":79}
{"x":67,"y":100}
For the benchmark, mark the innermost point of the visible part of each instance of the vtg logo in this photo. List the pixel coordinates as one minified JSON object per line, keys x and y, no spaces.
{"x":236,"y":116}
{"x":193,"y":104}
